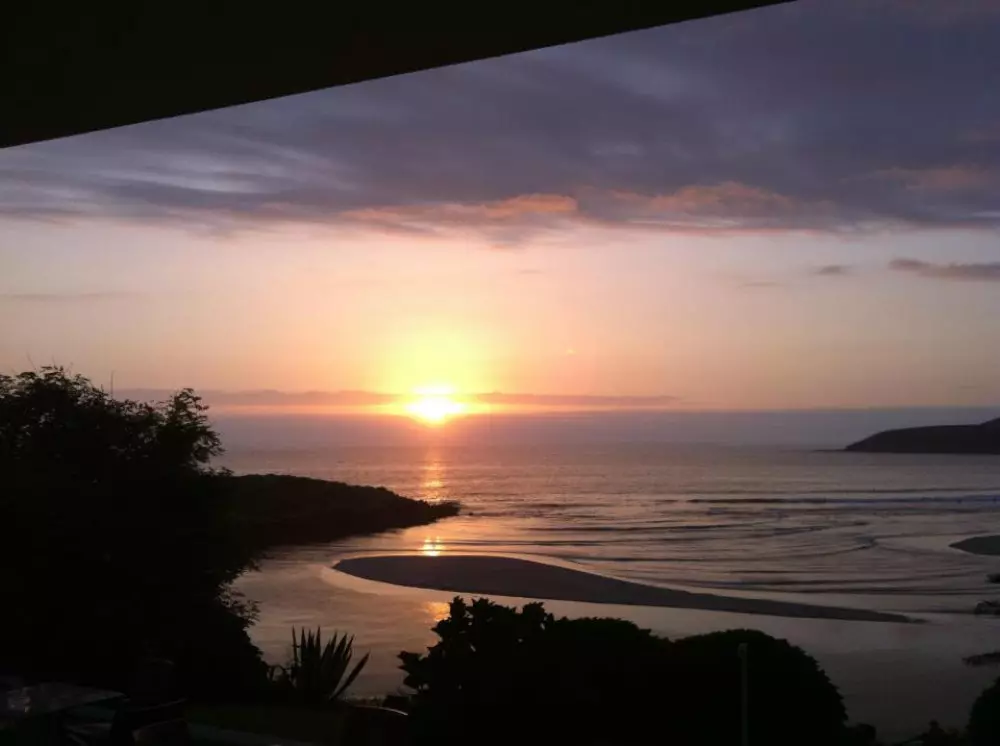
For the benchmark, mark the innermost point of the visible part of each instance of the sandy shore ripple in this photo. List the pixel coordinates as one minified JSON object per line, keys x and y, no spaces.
{"x":507,"y":576}
{"x":979,"y":545}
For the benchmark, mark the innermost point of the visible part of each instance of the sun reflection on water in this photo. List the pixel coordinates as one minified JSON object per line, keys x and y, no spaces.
{"x":432,"y":479}
{"x":432,"y":547}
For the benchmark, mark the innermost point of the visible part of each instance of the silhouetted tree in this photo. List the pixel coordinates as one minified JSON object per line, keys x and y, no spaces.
{"x":499,"y":675}
{"x":116,"y":540}
{"x":791,"y":700}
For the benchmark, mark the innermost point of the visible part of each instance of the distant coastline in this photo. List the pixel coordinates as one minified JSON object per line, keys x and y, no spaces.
{"x":983,"y":438}
{"x":274,"y":510}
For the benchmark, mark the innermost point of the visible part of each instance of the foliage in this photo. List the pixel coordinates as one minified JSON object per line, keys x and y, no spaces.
{"x":984,"y":718}
{"x":317,"y":675}
{"x":935,"y":735}
{"x":500,"y":673}
{"x":791,"y":700}
{"x":116,"y":538}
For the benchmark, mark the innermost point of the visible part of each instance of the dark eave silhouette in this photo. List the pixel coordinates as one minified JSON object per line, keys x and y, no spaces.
{"x":74,"y":67}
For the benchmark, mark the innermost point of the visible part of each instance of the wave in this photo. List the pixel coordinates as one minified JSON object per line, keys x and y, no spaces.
{"x":848,"y":490}
{"x":652,"y":527}
{"x":875,"y":499}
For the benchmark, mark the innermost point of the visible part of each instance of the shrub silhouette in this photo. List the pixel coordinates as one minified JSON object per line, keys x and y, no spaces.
{"x":116,"y":543}
{"x":499,"y":675}
{"x":791,"y":700}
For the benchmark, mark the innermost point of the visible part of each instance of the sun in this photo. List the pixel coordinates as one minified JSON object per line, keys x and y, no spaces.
{"x":434,"y":405}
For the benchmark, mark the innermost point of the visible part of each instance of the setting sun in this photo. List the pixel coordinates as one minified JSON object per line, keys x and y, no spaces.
{"x":434,"y":405}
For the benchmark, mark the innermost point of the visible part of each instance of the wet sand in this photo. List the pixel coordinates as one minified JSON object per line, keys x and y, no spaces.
{"x":989,"y":545}
{"x":507,"y":576}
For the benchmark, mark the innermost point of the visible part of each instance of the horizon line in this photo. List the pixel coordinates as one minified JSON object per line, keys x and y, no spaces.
{"x":374,"y":403}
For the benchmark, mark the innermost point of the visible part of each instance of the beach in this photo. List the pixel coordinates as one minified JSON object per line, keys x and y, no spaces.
{"x":508,"y":576}
{"x":684,"y":540}
{"x":985,"y":545}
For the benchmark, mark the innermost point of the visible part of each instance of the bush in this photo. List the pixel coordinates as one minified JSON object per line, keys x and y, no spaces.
{"x":497,"y":674}
{"x":984,"y":718}
{"x":791,"y":700}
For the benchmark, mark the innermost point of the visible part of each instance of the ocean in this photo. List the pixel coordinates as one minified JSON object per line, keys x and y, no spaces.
{"x":786,"y":521}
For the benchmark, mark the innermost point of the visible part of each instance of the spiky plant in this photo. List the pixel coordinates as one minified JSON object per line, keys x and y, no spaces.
{"x":317,"y":675}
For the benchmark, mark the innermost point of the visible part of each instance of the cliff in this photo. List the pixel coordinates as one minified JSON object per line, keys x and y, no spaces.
{"x":981,"y":438}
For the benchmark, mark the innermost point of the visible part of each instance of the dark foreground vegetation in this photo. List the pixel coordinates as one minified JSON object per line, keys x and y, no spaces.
{"x":506,"y":676}
{"x":119,"y":543}
{"x":502,"y":672}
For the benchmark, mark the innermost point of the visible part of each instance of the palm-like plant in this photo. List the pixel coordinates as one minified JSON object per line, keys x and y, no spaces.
{"x":317,"y":675}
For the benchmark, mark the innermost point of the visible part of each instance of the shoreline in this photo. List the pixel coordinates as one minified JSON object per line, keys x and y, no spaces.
{"x":988,"y":546}
{"x":519,"y":578}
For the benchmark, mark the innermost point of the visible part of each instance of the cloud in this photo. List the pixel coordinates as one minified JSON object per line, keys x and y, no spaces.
{"x":525,"y":211}
{"x":702,"y":126}
{"x":569,"y":400}
{"x":949,"y":178}
{"x":729,"y":205}
{"x":759,"y":284}
{"x":833,"y":270}
{"x":943,"y":13}
{"x":724,"y":198}
{"x":44,"y":298}
{"x":272,"y":399}
{"x":983,"y":272}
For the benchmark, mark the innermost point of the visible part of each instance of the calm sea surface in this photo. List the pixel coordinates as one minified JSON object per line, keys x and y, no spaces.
{"x":827,"y":527}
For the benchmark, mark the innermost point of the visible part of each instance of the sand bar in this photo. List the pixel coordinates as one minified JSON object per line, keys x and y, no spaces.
{"x":507,"y":576}
{"x":979,"y":545}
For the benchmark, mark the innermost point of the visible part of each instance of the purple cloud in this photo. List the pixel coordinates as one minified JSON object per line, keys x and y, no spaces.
{"x":807,"y":116}
{"x":833,"y":270}
{"x":68,"y":297}
{"x":983,"y":272}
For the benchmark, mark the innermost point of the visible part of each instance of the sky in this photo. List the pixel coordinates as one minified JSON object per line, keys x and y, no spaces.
{"x":791,"y":207}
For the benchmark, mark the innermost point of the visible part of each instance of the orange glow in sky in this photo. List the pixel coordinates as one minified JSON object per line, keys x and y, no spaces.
{"x":636,"y":232}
